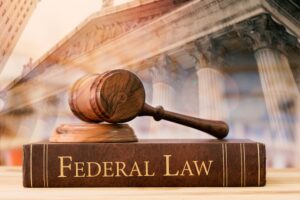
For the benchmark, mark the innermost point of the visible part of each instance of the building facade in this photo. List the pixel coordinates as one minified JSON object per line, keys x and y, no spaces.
{"x":107,"y":3}
{"x":14,"y":16}
{"x":231,"y":60}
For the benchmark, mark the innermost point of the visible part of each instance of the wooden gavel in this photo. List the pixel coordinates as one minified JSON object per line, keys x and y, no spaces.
{"x":118,"y":96}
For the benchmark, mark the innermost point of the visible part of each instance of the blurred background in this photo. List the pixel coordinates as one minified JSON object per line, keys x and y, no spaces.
{"x":231,"y":60}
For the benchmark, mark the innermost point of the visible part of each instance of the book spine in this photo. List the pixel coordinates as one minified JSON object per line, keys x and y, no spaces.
{"x":35,"y":165}
{"x":144,"y":165}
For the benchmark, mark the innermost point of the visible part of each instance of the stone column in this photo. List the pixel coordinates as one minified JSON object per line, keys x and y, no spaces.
{"x":141,"y":125}
{"x":47,"y":113}
{"x":297,"y":135}
{"x":297,"y":121}
{"x":296,"y":72}
{"x":278,"y":84}
{"x":210,"y":82}
{"x":163,"y":92}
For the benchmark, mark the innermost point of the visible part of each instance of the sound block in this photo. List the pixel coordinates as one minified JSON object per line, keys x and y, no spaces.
{"x":93,"y":133}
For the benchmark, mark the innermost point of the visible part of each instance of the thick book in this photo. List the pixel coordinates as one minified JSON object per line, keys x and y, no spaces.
{"x":147,"y":163}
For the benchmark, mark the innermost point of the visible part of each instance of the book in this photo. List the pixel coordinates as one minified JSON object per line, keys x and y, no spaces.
{"x":146,"y":163}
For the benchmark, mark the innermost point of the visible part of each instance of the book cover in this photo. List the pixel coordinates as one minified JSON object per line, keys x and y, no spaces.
{"x":147,"y":163}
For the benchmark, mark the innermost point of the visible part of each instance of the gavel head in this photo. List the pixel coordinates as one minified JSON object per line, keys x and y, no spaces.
{"x":115,"y":96}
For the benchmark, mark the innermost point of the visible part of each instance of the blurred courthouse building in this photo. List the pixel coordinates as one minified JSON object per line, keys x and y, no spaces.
{"x":232,"y":60}
{"x":14,"y":15}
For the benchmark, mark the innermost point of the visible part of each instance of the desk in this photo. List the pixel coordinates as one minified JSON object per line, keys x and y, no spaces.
{"x":282,"y":184}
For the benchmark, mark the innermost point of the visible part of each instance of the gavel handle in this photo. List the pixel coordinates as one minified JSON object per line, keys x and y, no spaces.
{"x":218,"y":129}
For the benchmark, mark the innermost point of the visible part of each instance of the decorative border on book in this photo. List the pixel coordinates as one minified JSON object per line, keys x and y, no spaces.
{"x":45,"y":165}
{"x":225,"y":165}
{"x":258,"y":165}
{"x":30,"y":166}
{"x":243,"y":165}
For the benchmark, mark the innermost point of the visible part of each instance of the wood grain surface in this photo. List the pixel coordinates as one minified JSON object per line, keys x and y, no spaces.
{"x":218,"y":129}
{"x":118,"y":96}
{"x":281,"y":184}
{"x":93,"y":133}
{"x":115,"y":96}
{"x":79,"y":99}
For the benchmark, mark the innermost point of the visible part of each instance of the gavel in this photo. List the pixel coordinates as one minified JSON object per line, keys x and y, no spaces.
{"x":118,"y":96}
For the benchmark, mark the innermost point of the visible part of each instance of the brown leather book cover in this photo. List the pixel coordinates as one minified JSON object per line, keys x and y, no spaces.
{"x":147,"y":163}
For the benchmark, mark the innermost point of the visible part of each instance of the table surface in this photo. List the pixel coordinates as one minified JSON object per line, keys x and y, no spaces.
{"x":281,"y":184}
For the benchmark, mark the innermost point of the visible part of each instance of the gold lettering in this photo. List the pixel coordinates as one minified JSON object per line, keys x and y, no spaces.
{"x":147,"y":169}
{"x":120,"y":169}
{"x":135,"y":168}
{"x":204,"y":167}
{"x":168,"y":173}
{"x":78,"y":169}
{"x":107,"y":167}
{"x":90,"y":169}
{"x":62,"y":166}
{"x":187,"y":168}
